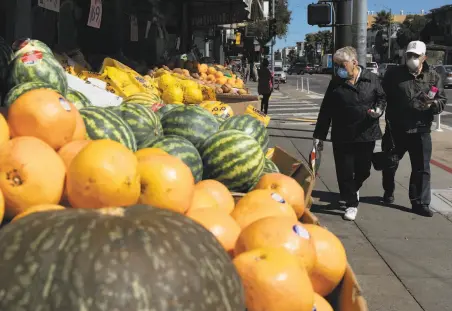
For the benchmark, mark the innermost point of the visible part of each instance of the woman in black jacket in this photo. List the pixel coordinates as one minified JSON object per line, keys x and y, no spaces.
{"x":353,"y":103}
{"x":265,"y":85}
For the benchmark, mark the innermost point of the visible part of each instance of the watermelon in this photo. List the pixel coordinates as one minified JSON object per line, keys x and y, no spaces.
{"x":134,"y":258}
{"x":78,"y":99}
{"x":233,"y":158}
{"x":163,"y":110}
{"x":270,"y":167}
{"x":37,"y":66}
{"x":23,"y":88}
{"x":183,"y":149}
{"x":144,"y":123}
{"x":151,"y":101}
{"x":219,"y":119}
{"x":250,"y":126}
{"x":22,"y":46}
{"x":192,"y":122}
{"x":101,"y":123}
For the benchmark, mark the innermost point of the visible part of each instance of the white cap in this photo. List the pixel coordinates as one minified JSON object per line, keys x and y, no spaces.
{"x":416,"y":47}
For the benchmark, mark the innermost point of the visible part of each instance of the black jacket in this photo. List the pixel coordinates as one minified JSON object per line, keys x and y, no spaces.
{"x":345,"y":107}
{"x":403,"y":90}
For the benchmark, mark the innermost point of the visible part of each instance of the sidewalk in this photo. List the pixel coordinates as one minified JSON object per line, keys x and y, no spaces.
{"x":402,"y":261}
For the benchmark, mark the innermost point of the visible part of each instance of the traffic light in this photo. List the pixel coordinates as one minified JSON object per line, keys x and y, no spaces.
{"x":319,"y":14}
{"x":272,"y":27}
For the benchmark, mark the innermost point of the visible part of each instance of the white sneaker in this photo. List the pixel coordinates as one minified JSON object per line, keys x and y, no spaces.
{"x":350,"y":213}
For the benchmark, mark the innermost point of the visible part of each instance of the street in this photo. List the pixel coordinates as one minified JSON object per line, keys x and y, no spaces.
{"x":298,"y":104}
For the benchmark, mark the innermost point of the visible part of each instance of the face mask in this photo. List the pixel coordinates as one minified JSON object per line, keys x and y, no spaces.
{"x":342,"y":73}
{"x":413,"y":63}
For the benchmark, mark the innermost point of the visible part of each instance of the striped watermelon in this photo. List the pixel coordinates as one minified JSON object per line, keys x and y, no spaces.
{"x":20,"y":89}
{"x":183,"y":149}
{"x":192,"y":122}
{"x":168,"y":107}
{"x":78,"y":99}
{"x":101,"y":123}
{"x":219,"y":119}
{"x":152,"y":101}
{"x":37,"y":66}
{"x":22,"y":46}
{"x":250,"y":126}
{"x":144,"y":123}
{"x":233,"y":158}
{"x":270,"y":167}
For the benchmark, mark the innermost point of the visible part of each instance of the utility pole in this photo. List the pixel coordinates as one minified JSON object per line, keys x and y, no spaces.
{"x":343,"y":23}
{"x":389,"y":35}
{"x":360,"y":29}
{"x":272,"y":56}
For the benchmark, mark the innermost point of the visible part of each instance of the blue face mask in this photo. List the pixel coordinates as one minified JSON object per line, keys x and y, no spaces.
{"x":342,"y":73}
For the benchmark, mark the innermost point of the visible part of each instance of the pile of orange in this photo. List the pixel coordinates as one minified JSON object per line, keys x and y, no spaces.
{"x":284,"y":264}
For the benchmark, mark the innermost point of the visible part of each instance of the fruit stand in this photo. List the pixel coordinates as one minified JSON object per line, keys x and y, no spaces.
{"x":159,"y":195}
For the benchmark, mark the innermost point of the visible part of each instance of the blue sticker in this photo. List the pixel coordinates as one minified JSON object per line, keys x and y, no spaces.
{"x":278,"y":198}
{"x":301,"y":231}
{"x":314,"y":308}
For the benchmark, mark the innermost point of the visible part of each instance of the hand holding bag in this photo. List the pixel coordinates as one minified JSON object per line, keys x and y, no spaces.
{"x":388,"y":157}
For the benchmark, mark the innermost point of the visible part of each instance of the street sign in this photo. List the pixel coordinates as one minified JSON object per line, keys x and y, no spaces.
{"x":95,"y":14}
{"x":52,"y":5}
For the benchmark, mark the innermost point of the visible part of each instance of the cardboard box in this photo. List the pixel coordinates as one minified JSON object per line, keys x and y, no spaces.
{"x":348,"y":294}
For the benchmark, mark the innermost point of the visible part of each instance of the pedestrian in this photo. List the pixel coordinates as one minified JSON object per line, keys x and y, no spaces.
{"x":353,"y":103}
{"x":415,"y":93}
{"x":265,"y":85}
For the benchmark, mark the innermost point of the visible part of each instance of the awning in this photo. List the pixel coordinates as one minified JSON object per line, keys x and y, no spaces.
{"x":219,"y":12}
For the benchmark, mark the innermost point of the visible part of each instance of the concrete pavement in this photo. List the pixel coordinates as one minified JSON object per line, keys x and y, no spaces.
{"x":402,"y":261}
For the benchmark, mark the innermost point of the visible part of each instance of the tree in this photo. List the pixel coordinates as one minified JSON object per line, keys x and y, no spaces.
{"x":283,"y":18}
{"x":291,"y":56}
{"x":278,"y":55}
{"x":411,"y":29}
{"x":381,"y":24}
{"x":322,"y":40}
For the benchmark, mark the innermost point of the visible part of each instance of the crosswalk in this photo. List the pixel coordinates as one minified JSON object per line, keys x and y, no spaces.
{"x":292,"y":110}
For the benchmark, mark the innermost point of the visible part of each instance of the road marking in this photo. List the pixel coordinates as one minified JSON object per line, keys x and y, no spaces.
{"x":449,"y":105}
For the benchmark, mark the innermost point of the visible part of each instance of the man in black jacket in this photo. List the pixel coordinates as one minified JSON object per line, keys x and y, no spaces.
{"x":353,"y":103}
{"x":415,"y":94}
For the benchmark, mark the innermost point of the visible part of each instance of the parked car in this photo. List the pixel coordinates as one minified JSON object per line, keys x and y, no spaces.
{"x":446,"y":73}
{"x":286,"y":67}
{"x":317,"y":69}
{"x":383,"y":68}
{"x":373,"y":67}
{"x":300,"y":69}
{"x":280,"y":75}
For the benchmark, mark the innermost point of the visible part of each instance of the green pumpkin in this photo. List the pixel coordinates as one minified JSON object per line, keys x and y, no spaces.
{"x":135,"y":258}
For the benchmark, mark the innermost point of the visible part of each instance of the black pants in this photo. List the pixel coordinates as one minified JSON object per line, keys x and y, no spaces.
{"x":264,"y":102}
{"x":353,"y":163}
{"x":419,"y":147}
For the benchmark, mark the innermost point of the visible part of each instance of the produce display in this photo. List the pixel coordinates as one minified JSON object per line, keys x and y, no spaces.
{"x":149,"y":205}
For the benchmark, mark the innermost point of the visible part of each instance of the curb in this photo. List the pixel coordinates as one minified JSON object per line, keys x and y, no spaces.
{"x":441,"y":166}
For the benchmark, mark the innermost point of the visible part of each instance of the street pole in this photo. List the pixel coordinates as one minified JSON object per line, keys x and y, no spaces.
{"x":343,"y":24}
{"x":272,"y":38}
{"x":389,"y":35}
{"x":361,"y":29}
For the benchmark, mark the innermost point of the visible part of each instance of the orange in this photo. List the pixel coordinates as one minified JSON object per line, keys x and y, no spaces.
{"x":4,"y":130}
{"x":146,"y":152}
{"x":44,"y":114}
{"x":274,"y":281}
{"x":202,"y":199}
{"x":220,"y":224}
{"x":37,"y":209}
{"x":320,"y":303}
{"x":166,"y":182}
{"x":103,"y":174}
{"x":80,"y":128}
{"x":2,"y":206}
{"x":286,"y":186}
{"x":331,"y":260}
{"x":219,"y":192}
{"x":259,"y":204}
{"x":279,"y":232}
{"x":31,"y":173}
{"x":68,"y":152}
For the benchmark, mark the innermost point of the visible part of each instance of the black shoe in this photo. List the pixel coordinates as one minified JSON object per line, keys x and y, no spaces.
{"x":388,"y":198}
{"x":422,"y":210}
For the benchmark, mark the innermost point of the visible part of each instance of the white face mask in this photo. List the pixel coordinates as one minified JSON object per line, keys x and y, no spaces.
{"x":413,"y":63}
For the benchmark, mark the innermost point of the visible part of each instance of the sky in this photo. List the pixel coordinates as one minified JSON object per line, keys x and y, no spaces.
{"x":299,"y":27}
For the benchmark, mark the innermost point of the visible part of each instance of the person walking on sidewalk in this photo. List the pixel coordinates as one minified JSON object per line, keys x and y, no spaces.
{"x":353,"y":103}
{"x":415,"y":94}
{"x":265,"y":85}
